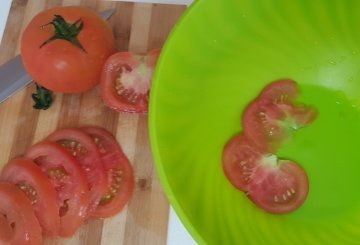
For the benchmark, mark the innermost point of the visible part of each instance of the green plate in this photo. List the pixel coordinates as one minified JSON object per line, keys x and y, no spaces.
{"x":216,"y":60}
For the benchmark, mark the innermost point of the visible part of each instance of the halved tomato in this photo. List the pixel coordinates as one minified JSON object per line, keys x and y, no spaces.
{"x":272,"y":117}
{"x":126,"y":79}
{"x":29,"y":178}
{"x":119,"y":173}
{"x":239,"y":160}
{"x":278,"y":186}
{"x":68,"y":180}
{"x":84,"y":150}
{"x":16,"y":208}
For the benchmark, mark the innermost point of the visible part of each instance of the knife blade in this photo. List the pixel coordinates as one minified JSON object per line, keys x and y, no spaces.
{"x":14,"y":76}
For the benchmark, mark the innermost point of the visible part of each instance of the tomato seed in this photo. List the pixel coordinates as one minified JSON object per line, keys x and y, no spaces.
{"x":30,"y":191}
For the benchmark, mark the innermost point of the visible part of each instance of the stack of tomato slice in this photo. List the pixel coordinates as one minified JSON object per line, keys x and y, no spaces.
{"x":249,"y":158}
{"x":72,"y":175}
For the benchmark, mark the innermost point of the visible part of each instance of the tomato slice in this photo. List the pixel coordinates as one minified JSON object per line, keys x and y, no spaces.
{"x":87,"y":155}
{"x":281,"y":91}
{"x":275,"y":186}
{"x":6,"y":232}
{"x":278,"y":186}
{"x":126,"y":79}
{"x":274,"y":115}
{"x":68,"y":180}
{"x":16,"y":208}
{"x":29,"y":178}
{"x":119,"y":173}
{"x":239,"y":160}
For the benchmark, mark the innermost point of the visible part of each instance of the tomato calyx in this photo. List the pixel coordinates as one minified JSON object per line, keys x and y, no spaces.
{"x":65,"y":31}
{"x":43,"y":98}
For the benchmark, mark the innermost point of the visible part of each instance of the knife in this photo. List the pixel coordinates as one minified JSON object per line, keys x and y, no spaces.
{"x":13,"y":74}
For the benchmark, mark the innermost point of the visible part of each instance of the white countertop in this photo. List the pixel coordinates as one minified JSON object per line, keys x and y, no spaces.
{"x":177,"y":234}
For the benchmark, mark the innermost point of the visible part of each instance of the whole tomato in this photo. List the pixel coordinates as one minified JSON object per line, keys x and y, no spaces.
{"x":64,"y":48}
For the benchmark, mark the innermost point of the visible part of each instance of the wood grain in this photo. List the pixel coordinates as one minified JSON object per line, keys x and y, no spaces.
{"x":137,"y":27}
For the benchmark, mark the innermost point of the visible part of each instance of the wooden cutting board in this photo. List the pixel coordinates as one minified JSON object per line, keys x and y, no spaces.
{"x":139,"y":28}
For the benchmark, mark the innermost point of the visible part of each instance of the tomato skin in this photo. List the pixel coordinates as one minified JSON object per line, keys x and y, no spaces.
{"x":59,"y":65}
{"x":115,"y":162}
{"x":281,"y":189}
{"x":86,"y":153}
{"x":23,"y":170}
{"x":126,"y":80}
{"x":71,"y":184}
{"x":18,"y":211}
{"x":239,"y":159}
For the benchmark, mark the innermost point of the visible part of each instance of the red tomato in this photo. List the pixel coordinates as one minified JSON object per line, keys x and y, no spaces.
{"x":68,"y":180}
{"x":61,"y":65}
{"x":19,"y":214}
{"x":271,"y":118}
{"x":126,"y":79}
{"x":119,"y":173}
{"x":275,"y":186}
{"x":29,"y":178}
{"x":6,"y":232}
{"x":278,"y":186}
{"x":85,"y":151}
{"x":281,"y":91}
{"x":239,"y":160}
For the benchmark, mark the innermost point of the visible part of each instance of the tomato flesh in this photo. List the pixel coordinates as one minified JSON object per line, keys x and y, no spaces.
{"x":68,"y":180}
{"x":6,"y":232}
{"x":84,"y":150}
{"x":239,"y":159}
{"x":29,"y":178}
{"x":278,"y":187}
{"x":280,"y":91}
{"x":119,"y":173}
{"x":126,"y":80}
{"x":19,"y":214}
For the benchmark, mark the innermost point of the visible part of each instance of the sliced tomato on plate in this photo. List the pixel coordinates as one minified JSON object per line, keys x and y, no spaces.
{"x":126,"y":80}
{"x":69,"y":181}
{"x":84,"y":150}
{"x":272,"y":117}
{"x":29,"y":178}
{"x":16,"y":208}
{"x":239,"y":160}
{"x":278,"y":186}
{"x":118,"y":170}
